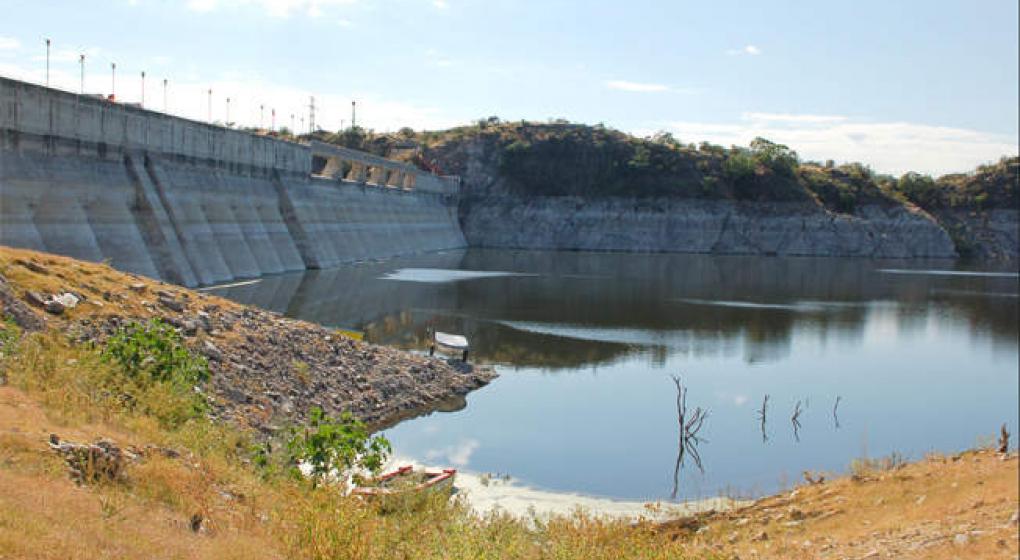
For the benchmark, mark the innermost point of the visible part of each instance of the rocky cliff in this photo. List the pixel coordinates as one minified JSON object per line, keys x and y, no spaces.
{"x":702,"y":226}
{"x":821,"y":212}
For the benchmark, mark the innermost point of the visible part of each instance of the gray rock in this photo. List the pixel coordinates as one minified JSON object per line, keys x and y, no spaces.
{"x":209,"y":350}
{"x":33,"y":266}
{"x":171,"y":303}
{"x":35,"y":298}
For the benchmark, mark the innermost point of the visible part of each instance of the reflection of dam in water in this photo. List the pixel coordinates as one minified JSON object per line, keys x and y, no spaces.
{"x":583,"y":309}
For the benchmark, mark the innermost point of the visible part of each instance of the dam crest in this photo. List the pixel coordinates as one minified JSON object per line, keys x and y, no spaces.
{"x":197,"y":204}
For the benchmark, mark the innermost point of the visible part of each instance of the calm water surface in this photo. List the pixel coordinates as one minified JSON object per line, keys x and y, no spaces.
{"x":922,"y":355}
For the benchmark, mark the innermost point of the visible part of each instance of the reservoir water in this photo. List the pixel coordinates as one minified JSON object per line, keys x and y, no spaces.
{"x":920,"y":357}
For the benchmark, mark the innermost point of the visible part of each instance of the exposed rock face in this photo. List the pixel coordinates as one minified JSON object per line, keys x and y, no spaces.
{"x":492,"y":215}
{"x":988,"y":235}
{"x":702,"y":226}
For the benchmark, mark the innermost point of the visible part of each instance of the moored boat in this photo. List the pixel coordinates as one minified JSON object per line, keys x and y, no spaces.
{"x":406,"y":480}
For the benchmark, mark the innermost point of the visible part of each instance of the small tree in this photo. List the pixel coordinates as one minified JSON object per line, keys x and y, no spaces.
{"x":777,"y":157}
{"x":335,"y":447}
{"x":920,"y":189}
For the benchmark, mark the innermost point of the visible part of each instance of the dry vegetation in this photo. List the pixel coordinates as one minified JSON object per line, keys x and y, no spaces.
{"x":211,"y":501}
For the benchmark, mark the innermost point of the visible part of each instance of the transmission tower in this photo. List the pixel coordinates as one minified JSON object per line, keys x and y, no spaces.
{"x":311,"y":115}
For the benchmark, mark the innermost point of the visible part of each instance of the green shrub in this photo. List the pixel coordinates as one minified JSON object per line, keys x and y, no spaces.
{"x":740,"y":168}
{"x":152,"y":356}
{"x":777,"y":157}
{"x":334,"y":447}
{"x":919,"y":189}
{"x":154,"y":350}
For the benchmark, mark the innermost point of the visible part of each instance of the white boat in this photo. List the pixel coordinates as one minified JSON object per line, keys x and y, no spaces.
{"x":450,"y":343}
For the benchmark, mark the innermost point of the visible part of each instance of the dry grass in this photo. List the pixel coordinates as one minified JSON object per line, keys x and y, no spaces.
{"x":53,"y":389}
{"x":57,"y":387}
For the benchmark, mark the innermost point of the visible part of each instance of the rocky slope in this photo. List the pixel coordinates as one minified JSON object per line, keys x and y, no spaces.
{"x":266,"y":369}
{"x":703,"y":226}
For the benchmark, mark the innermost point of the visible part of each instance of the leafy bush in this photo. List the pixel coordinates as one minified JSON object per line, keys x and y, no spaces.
{"x":919,"y":189}
{"x":777,"y":157}
{"x":335,"y":447}
{"x":739,"y":167}
{"x":155,"y":351}
{"x":152,"y":355}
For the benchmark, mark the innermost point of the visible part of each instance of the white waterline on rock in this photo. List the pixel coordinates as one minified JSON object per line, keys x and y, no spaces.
{"x":485,"y":493}
{"x":442,"y":275}
{"x":949,"y":273}
{"x":231,"y":285}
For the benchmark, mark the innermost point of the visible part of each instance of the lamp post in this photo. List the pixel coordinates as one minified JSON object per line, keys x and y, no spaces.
{"x":273,"y":125}
{"x":353,"y":114}
{"x":47,"y":63}
{"x":226,"y":121}
{"x":113,"y":81}
{"x":164,"y":94}
{"x":209,"y":119}
{"x":143,"y":89}
{"x":81,"y":62}
{"x":262,"y":115}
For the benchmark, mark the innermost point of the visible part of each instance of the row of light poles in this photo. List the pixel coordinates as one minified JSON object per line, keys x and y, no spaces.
{"x":166,"y":82}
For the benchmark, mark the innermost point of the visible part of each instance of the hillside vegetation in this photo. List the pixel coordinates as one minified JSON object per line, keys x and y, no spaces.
{"x":565,"y":159}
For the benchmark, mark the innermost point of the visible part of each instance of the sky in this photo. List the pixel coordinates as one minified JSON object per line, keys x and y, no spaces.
{"x":923,"y":85}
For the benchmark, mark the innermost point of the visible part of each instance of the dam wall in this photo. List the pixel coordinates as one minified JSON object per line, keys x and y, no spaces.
{"x":198,"y":204}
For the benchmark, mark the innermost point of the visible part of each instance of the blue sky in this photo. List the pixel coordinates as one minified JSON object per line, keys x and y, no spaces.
{"x":927,"y":85}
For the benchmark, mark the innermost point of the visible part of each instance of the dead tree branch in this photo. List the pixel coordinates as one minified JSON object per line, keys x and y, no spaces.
{"x":761,"y":416}
{"x":795,"y":420}
{"x":690,"y":424}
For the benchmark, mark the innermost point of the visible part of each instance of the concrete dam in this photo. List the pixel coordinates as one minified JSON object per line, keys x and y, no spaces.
{"x":197,"y":204}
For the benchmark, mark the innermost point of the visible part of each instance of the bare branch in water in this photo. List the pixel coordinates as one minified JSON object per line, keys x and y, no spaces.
{"x":795,"y":420}
{"x":689,"y":425}
{"x":835,"y":411}
{"x":761,"y":416}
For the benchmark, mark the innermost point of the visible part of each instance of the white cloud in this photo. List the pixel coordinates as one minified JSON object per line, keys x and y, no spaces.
{"x":750,"y":50}
{"x":889,"y":147}
{"x":202,"y":5}
{"x":459,"y":454}
{"x":441,"y":4}
{"x":275,"y":8}
{"x":9,"y":44}
{"x":342,"y":22}
{"x":637,"y":87}
{"x":791,"y":118}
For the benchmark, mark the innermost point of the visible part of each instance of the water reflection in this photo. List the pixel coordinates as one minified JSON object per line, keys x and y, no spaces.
{"x":561,"y":311}
{"x":585,"y":343}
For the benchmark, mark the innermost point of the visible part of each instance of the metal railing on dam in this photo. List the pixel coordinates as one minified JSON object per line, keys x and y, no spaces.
{"x":197,"y":204}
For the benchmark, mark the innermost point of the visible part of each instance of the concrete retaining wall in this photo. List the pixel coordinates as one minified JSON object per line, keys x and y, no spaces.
{"x":197,"y":204}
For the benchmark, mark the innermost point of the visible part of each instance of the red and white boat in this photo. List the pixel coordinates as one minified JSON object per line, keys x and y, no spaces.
{"x":407,"y":480}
